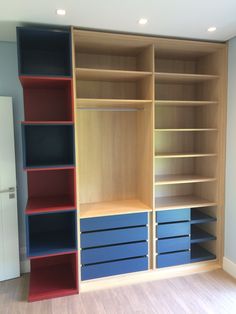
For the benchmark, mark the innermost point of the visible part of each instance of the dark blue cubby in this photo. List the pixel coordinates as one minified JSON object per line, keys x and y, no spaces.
{"x":51,"y":233}
{"x":199,"y":254}
{"x":199,"y":217}
{"x":44,"y":52}
{"x":199,"y":235}
{"x":48,"y":145}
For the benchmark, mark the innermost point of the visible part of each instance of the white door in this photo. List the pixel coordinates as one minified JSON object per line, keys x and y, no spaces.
{"x":9,"y":245}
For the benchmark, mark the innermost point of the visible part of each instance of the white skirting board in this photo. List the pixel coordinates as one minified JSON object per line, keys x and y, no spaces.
{"x":229,"y":267}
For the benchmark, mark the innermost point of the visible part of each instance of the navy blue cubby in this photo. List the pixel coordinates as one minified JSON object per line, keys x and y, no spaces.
{"x":173,"y":259}
{"x":113,"y":245}
{"x":199,"y":217}
{"x":44,"y":52}
{"x":199,"y":235}
{"x":174,"y":215}
{"x":113,"y":222}
{"x":48,"y":145}
{"x":173,"y":230}
{"x":199,"y":254}
{"x":114,"y":268}
{"x":51,"y":233}
{"x":173,"y":244}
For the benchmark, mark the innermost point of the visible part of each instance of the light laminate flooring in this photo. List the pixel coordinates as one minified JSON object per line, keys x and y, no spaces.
{"x":212,"y":292}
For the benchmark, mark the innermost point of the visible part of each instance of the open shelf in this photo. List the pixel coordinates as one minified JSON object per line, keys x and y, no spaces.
{"x":199,"y":217}
{"x":199,"y":254}
{"x":48,"y":145}
{"x":50,"y":190}
{"x":199,"y":235}
{"x":117,"y":54}
{"x":117,"y":103}
{"x":51,"y":233}
{"x":112,"y":208}
{"x":128,"y":87}
{"x":87,"y":74}
{"x":53,"y":276}
{"x":176,"y":202}
{"x":166,"y":77}
{"x":179,"y":179}
{"x":184,"y":155}
{"x":47,"y":98}
{"x":44,"y":52}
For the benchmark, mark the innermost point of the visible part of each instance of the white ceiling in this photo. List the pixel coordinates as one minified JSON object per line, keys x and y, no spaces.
{"x":175,"y":18}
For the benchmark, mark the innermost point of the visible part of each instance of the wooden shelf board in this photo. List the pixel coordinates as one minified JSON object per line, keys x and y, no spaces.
{"x":112,"y":208}
{"x":104,"y":103}
{"x":179,"y":179}
{"x":88,"y":74}
{"x":184,"y":155}
{"x":185,"y":102}
{"x":187,"y":130}
{"x":178,"y":202}
{"x":49,"y":204}
{"x":47,"y":122}
{"x":164,"y":77}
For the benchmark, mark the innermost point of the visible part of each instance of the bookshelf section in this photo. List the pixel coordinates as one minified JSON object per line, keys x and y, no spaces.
{"x":44,"y":58}
{"x":188,"y":153}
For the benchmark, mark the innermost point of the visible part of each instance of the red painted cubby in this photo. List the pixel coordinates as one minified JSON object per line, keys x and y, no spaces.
{"x":47,"y":98}
{"x":51,"y":190}
{"x":53,"y":276}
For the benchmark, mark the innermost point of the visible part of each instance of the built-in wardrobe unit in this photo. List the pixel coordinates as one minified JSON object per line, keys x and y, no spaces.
{"x":149,"y":139}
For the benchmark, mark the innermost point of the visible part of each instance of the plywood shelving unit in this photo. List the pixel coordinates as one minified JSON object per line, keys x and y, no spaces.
{"x":150,"y":131}
{"x":149,"y":141}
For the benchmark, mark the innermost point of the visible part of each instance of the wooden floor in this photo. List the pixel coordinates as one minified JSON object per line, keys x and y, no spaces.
{"x":213,"y":292}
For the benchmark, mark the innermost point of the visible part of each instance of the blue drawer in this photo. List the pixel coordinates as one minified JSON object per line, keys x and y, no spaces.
{"x":173,"y":230}
{"x":173,"y":244}
{"x":102,"y":238}
{"x":112,"y":222}
{"x":109,"y":253}
{"x":114,"y":268}
{"x":165,"y":216}
{"x":173,"y":259}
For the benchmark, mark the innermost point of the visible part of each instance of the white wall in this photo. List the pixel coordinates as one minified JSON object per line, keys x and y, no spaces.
{"x":10,"y":86}
{"x":230,"y":209}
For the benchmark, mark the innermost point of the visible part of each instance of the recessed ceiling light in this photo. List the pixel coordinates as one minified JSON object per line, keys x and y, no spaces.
{"x":61,"y":12}
{"x":211,"y":29}
{"x":143,"y":21}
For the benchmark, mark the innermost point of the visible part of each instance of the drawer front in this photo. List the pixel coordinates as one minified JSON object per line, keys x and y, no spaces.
{"x":112,"y":222}
{"x":109,"y":253}
{"x":102,"y":238}
{"x":114,"y":268}
{"x":166,"y":216}
{"x":173,"y":230}
{"x":173,"y":259}
{"x":173,"y":245}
